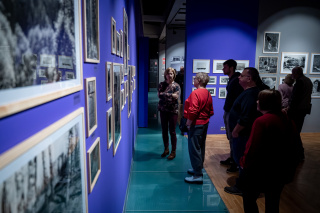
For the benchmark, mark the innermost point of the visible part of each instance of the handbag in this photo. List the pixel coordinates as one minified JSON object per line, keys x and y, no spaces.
{"x":183,"y":121}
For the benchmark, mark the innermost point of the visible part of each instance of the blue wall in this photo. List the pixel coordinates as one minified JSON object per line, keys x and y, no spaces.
{"x":109,"y":192}
{"x":219,"y":30}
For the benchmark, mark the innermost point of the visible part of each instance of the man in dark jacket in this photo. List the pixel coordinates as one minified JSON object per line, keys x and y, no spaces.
{"x":233,"y":91}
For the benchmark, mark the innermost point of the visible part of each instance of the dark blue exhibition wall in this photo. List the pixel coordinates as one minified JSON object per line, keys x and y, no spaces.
{"x":109,"y":192}
{"x":219,"y":30}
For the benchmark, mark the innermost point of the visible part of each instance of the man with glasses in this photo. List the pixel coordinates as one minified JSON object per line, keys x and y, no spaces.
{"x":242,"y":115}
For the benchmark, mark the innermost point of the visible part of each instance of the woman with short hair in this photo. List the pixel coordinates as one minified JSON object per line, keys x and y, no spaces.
{"x":168,"y":93}
{"x":198,"y":110}
{"x":285,"y":90}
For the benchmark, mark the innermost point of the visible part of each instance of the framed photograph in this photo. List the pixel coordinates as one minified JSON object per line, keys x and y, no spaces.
{"x":281,"y":79}
{"x":94,"y":163}
{"x":121,"y":43}
{"x":212,"y":90}
{"x":125,"y":40}
{"x":129,"y":90}
{"x":91,"y":31}
{"x":241,"y":64}
{"x":116,"y":106}
{"x":315,"y":64}
{"x":109,"y":128}
{"x":316,"y":87}
{"x":47,"y":61}
{"x":212,"y":80}
{"x":222,"y":92}
{"x":19,"y":89}
{"x":223,"y":80}
{"x":271,"y":42}
{"x":268,"y":64}
{"x":134,"y":84}
{"x":91,"y":105}
{"x":69,"y":75}
{"x":271,"y":81}
{"x":201,"y":65}
{"x":65,"y":62}
{"x":108,"y":81}
{"x":118,"y":44}
{"x":127,"y":87}
{"x":218,"y":66}
{"x":113,"y":36}
{"x":289,"y":60}
{"x":49,"y":164}
{"x":122,"y":74}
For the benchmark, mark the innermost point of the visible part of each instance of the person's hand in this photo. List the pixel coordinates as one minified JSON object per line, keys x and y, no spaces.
{"x":175,"y":96}
{"x":235,"y":134}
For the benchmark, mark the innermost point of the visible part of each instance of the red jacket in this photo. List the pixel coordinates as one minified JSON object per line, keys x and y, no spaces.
{"x":198,"y":107}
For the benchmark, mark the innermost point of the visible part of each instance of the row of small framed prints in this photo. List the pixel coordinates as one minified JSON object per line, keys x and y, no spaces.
{"x":289,"y":60}
{"x":119,"y":39}
{"x":212,"y":90}
{"x":203,"y":65}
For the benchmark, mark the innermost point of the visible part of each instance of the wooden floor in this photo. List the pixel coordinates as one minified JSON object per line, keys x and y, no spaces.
{"x":300,"y":196}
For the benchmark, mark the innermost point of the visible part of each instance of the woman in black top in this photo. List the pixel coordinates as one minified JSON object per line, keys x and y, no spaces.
{"x":168,"y":93}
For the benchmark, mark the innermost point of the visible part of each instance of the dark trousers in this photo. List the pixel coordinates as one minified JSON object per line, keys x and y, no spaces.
{"x":169,"y":119}
{"x":251,"y":193}
{"x":197,"y":145}
{"x":298,"y":119}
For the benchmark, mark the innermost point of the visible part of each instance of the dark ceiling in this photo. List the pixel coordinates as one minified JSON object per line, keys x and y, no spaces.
{"x":158,"y":15}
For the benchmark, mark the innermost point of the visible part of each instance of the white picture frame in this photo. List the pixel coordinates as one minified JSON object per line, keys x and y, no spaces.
{"x":222,"y":92}
{"x":241,"y":64}
{"x":201,"y":65}
{"x":94,"y":163}
{"x":316,"y":87}
{"x":91,"y":105}
{"x":113,"y":36}
{"x":271,"y":42}
{"x":289,"y":60}
{"x":109,"y":119}
{"x":118,"y":44}
{"x":218,"y":65}
{"x":315,"y":64}
{"x":223,"y":80}
{"x":109,"y":81}
{"x":212,"y":80}
{"x":268,"y":64}
{"x":212,"y":90}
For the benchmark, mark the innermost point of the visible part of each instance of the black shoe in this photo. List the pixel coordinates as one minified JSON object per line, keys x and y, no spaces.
{"x":165,"y":153}
{"x":226,"y":162}
{"x":233,"y":168}
{"x":233,"y":190}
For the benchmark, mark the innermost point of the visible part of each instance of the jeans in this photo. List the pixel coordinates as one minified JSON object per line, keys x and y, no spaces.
{"x":169,"y":119}
{"x":197,"y":144}
{"x":239,"y":145}
{"x":228,"y":132}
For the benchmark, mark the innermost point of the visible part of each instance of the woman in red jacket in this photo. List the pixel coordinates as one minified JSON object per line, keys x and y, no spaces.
{"x":198,"y":109}
{"x":270,"y":157}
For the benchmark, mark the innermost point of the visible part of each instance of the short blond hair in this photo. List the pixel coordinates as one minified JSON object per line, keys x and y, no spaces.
{"x":203,"y":78}
{"x":168,"y":70}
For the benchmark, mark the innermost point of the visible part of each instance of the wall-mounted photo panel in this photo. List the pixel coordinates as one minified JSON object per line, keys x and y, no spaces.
{"x":109,"y":128}
{"x":316,"y":87}
{"x":271,"y":42}
{"x":270,"y":81}
{"x":65,"y":62}
{"x":241,"y":64}
{"x":113,"y":36}
{"x":118,"y":44}
{"x":21,"y":58}
{"x":91,"y":31}
{"x":201,"y":65}
{"x":94,"y":163}
{"x":122,"y":99}
{"x":212,"y":91}
{"x":212,"y":80}
{"x":108,"y":81}
{"x":315,"y":64}
{"x":121,"y":43}
{"x":129,"y":90}
{"x":223,"y":80}
{"x":218,"y":66}
{"x":125,"y":40}
{"x":289,"y":60}
{"x":222,"y":92}
{"x":49,"y":164}
{"x":268,"y":64}
{"x":91,"y":105}
{"x":116,"y":106}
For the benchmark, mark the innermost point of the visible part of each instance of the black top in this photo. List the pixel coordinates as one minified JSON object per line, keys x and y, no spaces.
{"x":301,"y":96}
{"x":233,"y":91}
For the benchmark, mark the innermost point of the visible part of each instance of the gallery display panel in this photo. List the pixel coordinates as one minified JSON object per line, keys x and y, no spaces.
{"x":35,"y":49}
{"x":49,"y":167}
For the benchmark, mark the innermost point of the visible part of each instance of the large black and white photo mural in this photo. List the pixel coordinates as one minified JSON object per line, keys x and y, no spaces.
{"x":38,"y":43}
